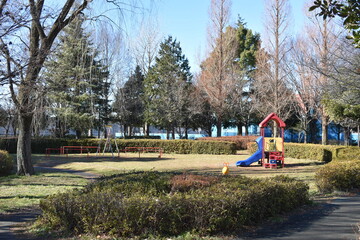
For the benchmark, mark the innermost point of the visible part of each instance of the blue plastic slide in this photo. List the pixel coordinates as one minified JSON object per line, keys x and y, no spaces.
{"x":253,"y":158}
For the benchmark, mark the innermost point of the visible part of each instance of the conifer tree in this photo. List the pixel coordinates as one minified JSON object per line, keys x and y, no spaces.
{"x":248,"y":43}
{"x":167,"y":88}
{"x":129,"y":101}
{"x":77,"y":82}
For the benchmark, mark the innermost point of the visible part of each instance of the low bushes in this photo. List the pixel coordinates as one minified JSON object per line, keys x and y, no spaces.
{"x":241,"y":142}
{"x":6,"y":163}
{"x":183,"y":146}
{"x":169,"y":146}
{"x":342,"y":176}
{"x":308,"y":151}
{"x":163,"y":204}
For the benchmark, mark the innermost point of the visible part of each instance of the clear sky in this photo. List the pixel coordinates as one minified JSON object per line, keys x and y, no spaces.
{"x":187,"y":21}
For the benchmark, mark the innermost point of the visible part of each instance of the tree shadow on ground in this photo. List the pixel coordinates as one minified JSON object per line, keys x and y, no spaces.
{"x":285,"y":225}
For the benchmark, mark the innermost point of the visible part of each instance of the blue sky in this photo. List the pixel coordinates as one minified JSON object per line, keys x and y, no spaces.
{"x":187,"y":21}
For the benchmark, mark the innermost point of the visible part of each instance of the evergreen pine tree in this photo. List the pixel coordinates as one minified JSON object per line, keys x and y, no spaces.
{"x":167,"y":88}
{"x":77,"y":83}
{"x":129,"y":102}
{"x":248,"y":43}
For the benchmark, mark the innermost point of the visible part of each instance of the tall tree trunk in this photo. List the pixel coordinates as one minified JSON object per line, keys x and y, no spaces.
{"x":173,"y":133}
{"x":218,"y":127}
{"x":24,"y":164}
{"x":209,"y":130}
{"x":345,"y":136}
{"x":358,"y":135}
{"x":78,"y":134}
{"x":146,"y":129}
{"x":324,"y":129}
{"x":167,"y":134}
{"x":239,"y":129}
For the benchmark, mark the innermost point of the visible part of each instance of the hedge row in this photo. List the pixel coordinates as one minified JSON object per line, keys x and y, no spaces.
{"x":169,"y":146}
{"x":163,"y":204}
{"x":240,"y":141}
{"x":342,"y":176}
{"x":6,"y":163}
{"x":324,"y":153}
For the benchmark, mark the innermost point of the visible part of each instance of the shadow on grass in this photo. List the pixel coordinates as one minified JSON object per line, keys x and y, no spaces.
{"x":43,"y":184}
{"x":22,"y":196}
{"x":54,"y":161}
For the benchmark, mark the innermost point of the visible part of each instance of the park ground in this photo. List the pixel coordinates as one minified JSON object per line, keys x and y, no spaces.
{"x":58,"y":173}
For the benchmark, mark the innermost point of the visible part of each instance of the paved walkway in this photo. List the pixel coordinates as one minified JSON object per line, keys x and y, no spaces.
{"x":338,"y":219}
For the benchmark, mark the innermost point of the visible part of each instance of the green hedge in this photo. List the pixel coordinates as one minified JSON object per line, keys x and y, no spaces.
{"x":308,"y":151}
{"x":240,"y":141}
{"x":170,"y":146}
{"x":147,"y":204}
{"x":6,"y":163}
{"x":343,"y":176}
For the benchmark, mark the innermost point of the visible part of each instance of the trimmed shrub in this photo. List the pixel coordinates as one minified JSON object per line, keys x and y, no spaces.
{"x":308,"y":151}
{"x":240,"y":141}
{"x":163,"y":204}
{"x":342,"y":176}
{"x":6,"y":163}
{"x":344,"y":153}
{"x":182,"y":146}
{"x":170,"y":146}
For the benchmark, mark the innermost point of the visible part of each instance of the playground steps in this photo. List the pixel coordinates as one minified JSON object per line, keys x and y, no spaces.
{"x":271,"y":165}
{"x":275,"y":160}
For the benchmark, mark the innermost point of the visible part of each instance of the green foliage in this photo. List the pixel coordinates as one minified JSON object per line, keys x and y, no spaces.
{"x":147,"y":204}
{"x":167,"y":87}
{"x":339,"y":111}
{"x":129,"y":100}
{"x":308,"y":151}
{"x":240,"y":141}
{"x":342,"y":176}
{"x":6,"y":163}
{"x":348,"y":10}
{"x":183,"y":146}
{"x":39,"y":145}
{"x":77,"y":83}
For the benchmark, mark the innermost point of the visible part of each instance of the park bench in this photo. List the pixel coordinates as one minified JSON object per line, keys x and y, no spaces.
{"x":144,"y":149}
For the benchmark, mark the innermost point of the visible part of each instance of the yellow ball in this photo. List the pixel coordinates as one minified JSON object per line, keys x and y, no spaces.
{"x":225,"y":170}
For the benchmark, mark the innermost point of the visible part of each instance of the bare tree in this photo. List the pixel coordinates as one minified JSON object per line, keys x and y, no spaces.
{"x":145,"y":47}
{"x":271,"y":85}
{"x":217,"y":74}
{"x":37,"y":29}
{"x":323,"y":43}
{"x":302,"y":77}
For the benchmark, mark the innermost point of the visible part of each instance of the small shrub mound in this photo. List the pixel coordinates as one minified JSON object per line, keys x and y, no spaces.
{"x":158,"y":204}
{"x":341,"y":176}
{"x":6,"y":163}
